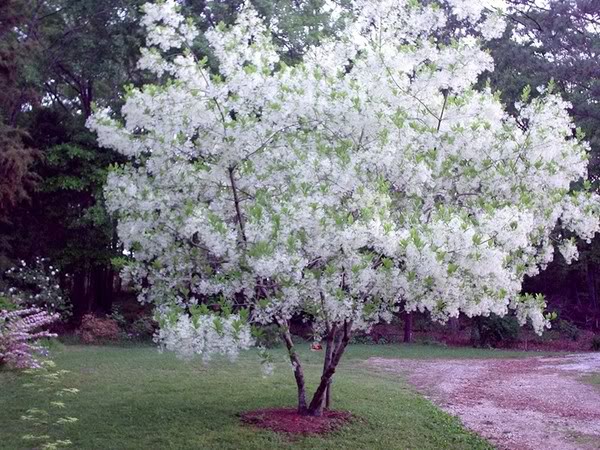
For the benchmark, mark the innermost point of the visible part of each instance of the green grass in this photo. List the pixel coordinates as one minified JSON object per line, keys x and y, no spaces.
{"x":593,"y":380}
{"x":136,"y":398}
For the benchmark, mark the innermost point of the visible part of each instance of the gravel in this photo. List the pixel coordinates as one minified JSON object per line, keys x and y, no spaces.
{"x":517,"y":404}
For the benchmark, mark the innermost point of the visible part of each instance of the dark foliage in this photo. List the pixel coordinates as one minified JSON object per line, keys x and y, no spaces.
{"x":494,"y":331}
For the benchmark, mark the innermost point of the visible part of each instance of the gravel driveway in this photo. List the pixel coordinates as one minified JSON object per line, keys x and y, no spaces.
{"x":532,"y":403}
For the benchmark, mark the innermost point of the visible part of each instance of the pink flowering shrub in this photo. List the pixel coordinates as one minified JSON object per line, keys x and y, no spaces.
{"x":97,"y":329}
{"x":20,"y":333}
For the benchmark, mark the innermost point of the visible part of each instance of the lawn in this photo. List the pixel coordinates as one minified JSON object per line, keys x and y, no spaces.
{"x":137,"y":398}
{"x":593,"y":379}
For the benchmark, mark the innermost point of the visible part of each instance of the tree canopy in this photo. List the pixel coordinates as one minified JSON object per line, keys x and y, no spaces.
{"x":368,"y":177}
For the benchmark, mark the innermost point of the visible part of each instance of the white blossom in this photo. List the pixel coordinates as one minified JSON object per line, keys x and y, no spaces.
{"x":369,"y":178}
{"x":568,"y":249}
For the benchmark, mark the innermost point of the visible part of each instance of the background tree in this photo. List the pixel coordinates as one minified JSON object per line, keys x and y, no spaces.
{"x":16,"y":156}
{"x":559,"y":41}
{"x":83,"y":51}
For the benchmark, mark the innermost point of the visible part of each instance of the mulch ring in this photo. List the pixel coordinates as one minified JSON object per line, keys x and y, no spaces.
{"x":287,"y":420}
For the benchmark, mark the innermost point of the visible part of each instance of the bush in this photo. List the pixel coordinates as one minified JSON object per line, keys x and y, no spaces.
{"x":430,"y":342}
{"x":20,"y":334}
{"x":568,"y":329}
{"x":596,"y":344}
{"x":362,"y":339}
{"x":143,"y":328}
{"x":37,"y":285}
{"x":267,"y":336}
{"x":494,"y":330}
{"x":118,"y":317}
{"x":96,"y":329}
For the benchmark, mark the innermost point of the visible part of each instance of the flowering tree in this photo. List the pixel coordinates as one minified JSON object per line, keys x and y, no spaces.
{"x":370,"y":178}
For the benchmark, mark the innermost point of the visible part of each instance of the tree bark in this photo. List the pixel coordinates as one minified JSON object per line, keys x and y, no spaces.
{"x":236,"y":201}
{"x":103,"y":289}
{"x":328,"y":396}
{"x":408,"y":326}
{"x":591,"y":284}
{"x":316,"y":405}
{"x":82,"y":293}
{"x":78,"y":294}
{"x":454,"y":323}
{"x":329,"y":348}
{"x":297,"y":367}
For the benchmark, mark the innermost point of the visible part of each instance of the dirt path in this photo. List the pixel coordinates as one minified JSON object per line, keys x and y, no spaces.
{"x":534,"y":403}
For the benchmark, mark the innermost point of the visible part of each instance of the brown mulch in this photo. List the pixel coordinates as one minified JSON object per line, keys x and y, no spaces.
{"x":287,"y":420}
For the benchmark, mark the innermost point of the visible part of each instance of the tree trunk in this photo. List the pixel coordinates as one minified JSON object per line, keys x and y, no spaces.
{"x":454,"y":324}
{"x":297,"y":367}
{"x":110,"y":288}
{"x":318,"y":401}
{"x":80,"y":294}
{"x":329,"y":348}
{"x":408,"y":326}
{"x":591,"y":282}
{"x":89,"y":293}
{"x":86,"y":97}
{"x":103,"y":289}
